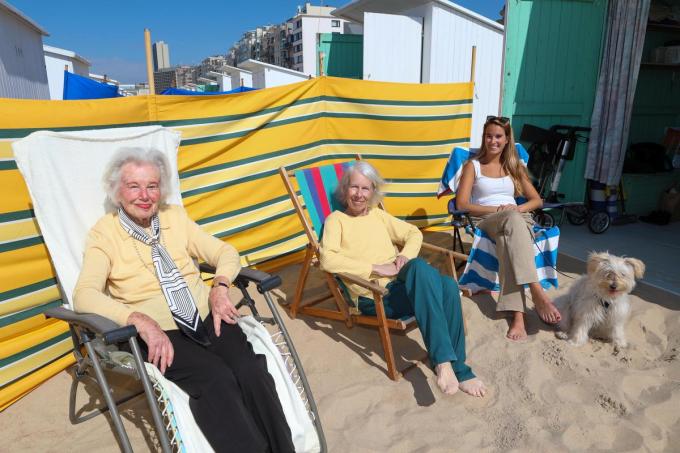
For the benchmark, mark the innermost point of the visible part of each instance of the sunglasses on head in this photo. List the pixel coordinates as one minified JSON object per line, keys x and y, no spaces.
{"x":501,"y":119}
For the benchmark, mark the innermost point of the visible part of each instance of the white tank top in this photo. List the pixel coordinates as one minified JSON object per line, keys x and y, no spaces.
{"x":487,"y":191}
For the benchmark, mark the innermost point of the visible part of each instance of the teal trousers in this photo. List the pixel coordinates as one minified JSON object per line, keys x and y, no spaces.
{"x":434,"y":299}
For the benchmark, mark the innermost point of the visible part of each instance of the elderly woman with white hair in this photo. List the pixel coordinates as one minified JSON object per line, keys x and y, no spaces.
{"x":361,"y":241}
{"x":138,"y":269}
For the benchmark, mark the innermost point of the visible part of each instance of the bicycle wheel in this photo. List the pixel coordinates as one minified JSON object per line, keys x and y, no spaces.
{"x":544,"y":219}
{"x":577,"y":215}
{"x":599,"y":222}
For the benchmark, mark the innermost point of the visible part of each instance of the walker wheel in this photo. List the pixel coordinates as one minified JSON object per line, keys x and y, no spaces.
{"x":544,"y":219}
{"x":599,"y":222}
{"x":577,"y":215}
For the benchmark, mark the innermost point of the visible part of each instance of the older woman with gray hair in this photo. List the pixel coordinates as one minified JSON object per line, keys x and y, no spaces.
{"x":361,"y":241}
{"x":139,"y":269}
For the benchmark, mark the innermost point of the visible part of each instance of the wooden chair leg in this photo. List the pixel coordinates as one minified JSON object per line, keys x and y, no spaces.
{"x":339,"y":299}
{"x":385,"y":338}
{"x":451,"y":264}
{"x":302,"y":280}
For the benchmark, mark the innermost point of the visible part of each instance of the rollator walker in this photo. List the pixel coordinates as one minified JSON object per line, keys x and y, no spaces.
{"x":549,"y":152}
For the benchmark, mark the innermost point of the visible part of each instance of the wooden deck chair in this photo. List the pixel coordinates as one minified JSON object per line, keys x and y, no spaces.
{"x":317,"y":186}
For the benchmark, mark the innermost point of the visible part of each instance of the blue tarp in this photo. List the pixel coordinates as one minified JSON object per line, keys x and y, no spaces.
{"x":179,"y":91}
{"x":79,"y":87}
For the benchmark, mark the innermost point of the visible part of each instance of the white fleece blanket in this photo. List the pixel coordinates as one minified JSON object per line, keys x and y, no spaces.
{"x":301,"y":427}
{"x":63,"y":172}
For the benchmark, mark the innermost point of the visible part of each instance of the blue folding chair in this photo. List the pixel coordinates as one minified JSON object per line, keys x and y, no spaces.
{"x":481,"y":268}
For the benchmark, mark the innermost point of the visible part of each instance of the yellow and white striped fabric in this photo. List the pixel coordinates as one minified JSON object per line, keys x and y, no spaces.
{"x":231,"y":149}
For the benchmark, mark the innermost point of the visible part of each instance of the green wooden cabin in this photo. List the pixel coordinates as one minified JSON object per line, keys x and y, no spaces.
{"x":552,"y":57}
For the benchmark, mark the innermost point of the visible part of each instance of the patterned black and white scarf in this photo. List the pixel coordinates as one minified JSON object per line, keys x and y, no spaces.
{"x":174,"y":288}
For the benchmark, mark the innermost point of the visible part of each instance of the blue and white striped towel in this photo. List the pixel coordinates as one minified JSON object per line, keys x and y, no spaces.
{"x":481,"y":270}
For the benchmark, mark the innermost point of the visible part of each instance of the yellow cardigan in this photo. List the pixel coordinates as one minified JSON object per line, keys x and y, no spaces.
{"x":354,"y":244}
{"x":118,"y":277}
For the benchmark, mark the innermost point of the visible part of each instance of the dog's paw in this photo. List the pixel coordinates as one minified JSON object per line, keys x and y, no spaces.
{"x":620,"y":344}
{"x":577,"y":342}
{"x":562,"y":335}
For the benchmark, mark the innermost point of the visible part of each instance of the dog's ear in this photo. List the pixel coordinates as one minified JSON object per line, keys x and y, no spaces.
{"x":637,"y":265}
{"x":595,"y":259}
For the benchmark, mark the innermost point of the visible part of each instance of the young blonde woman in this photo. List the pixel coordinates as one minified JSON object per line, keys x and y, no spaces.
{"x":489,"y":184}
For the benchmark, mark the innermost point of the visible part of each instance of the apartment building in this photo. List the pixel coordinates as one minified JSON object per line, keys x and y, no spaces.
{"x":306,"y":25}
{"x":256,"y":44}
{"x":161,"y":55}
{"x":282,"y":45}
{"x":164,"y":79}
{"x":210,"y":64}
{"x":291,"y":44}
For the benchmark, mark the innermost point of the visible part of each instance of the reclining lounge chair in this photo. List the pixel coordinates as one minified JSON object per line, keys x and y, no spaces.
{"x":62,"y":172}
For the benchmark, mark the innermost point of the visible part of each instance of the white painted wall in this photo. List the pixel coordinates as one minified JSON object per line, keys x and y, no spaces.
{"x":267,"y":78}
{"x":223,"y":81}
{"x":236,"y":79}
{"x":54,"y":64}
{"x":392,"y":48}
{"x":311,"y":27}
{"x":22,"y":62}
{"x":449,"y":37}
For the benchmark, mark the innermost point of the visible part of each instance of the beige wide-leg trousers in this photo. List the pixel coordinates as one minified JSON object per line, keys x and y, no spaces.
{"x":514,"y":239}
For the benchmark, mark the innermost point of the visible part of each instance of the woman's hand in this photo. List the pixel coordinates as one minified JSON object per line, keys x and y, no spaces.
{"x":161,"y":352}
{"x":508,"y":207}
{"x":400,"y":261}
{"x":385,"y":270}
{"x":221,"y":307}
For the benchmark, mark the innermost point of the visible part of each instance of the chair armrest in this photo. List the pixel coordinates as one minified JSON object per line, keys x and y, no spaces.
{"x":459,"y":212}
{"x":442,"y":250}
{"x":263,"y":280}
{"x":363,"y":283}
{"x":92,"y":322}
{"x":111,"y":331}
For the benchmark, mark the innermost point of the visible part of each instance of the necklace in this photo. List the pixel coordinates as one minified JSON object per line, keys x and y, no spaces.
{"x":139,"y":254}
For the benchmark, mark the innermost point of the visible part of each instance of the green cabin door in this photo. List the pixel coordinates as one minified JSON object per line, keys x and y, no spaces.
{"x":552,"y":56}
{"x":343,"y":55}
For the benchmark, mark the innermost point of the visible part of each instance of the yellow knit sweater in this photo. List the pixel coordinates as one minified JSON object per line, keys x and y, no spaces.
{"x":354,"y":244}
{"x":118,"y":277}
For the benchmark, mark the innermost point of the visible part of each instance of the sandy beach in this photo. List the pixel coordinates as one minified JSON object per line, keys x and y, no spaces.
{"x":544,"y":395}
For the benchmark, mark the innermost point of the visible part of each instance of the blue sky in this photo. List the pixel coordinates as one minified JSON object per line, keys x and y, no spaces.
{"x":111,"y":35}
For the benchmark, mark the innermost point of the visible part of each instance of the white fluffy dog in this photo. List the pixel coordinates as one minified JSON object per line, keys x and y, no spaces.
{"x":597,"y":303}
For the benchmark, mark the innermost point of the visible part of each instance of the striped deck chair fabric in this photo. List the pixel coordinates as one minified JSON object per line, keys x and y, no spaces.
{"x":481,"y":270}
{"x":317,"y":186}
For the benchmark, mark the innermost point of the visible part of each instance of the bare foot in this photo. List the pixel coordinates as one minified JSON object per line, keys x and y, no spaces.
{"x":544,"y":306}
{"x":446,"y":378}
{"x":517,"y":331}
{"x":473,"y":387}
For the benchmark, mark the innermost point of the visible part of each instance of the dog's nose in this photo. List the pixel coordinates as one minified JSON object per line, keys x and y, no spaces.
{"x":612,"y":285}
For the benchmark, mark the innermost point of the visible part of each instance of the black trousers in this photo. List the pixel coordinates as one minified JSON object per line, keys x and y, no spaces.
{"x":232,"y":396}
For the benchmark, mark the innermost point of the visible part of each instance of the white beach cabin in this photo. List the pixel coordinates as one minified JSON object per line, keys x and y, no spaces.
{"x":431,"y":41}
{"x":267,"y":75}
